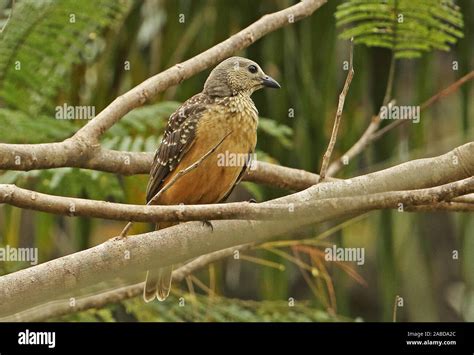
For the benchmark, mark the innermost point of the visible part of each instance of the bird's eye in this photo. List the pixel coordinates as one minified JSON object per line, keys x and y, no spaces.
{"x":252,"y":69}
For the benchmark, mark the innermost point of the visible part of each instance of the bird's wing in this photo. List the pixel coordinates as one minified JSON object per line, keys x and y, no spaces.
{"x":177,"y":139}
{"x":246,"y":165}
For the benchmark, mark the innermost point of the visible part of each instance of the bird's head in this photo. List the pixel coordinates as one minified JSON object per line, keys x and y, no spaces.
{"x":237,"y":75}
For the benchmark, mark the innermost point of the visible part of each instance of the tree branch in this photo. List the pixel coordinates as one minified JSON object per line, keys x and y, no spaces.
{"x":78,"y":207}
{"x":83,"y":149}
{"x":62,"y":307}
{"x":180,"y":72}
{"x":67,"y":275}
{"x":180,"y":174}
{"x":337,"y":120}
{"x":373,"y":133}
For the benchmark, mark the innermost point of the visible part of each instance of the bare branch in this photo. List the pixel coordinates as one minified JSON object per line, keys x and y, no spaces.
{"x":372,"y":133}
{"x":180,"y":174}
{"x":129,"y":163}
{"x":62,"y":307}
{"x":443,"y":93}
{"x":457,"y":161}
{"x":282,"y":177}
{"x":180,"y":72}
{"x":84,"y":146}
{"x":443,"y":206}
{"x":69,"y":274}
{"x":83,"y":149}
{"x":68,"y":206}
{"x":337,"y":120}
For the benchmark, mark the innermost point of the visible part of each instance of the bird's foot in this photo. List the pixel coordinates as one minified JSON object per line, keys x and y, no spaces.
{"x":252,"y":200}
{"x":208,"y":224}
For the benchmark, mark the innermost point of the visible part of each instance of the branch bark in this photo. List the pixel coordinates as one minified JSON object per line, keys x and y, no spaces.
{"x":337,"y":120}
{"x":62,"y":307}
{"x":83,"y":149}
{"x":67,"y":275}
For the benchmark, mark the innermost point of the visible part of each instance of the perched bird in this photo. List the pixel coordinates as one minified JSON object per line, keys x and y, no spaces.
{"x":222,"y":113}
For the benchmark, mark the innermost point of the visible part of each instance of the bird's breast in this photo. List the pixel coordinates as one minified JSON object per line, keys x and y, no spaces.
{"x":215,"y":176}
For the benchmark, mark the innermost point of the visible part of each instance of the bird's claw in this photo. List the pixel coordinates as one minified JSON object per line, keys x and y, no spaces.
{"x":208,"y":224}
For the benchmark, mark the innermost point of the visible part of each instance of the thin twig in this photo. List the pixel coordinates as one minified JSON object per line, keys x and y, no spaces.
{"x":395,"y":307}
{"x":373,"y":133}
{"x":371,"y":129}
{"x":443,"y":93}
{"x":337,"y":121}
{"x":83,"y":150}
{"x":358,"y":146}
{"x":390,"y":82}
{"x":175,"y":178}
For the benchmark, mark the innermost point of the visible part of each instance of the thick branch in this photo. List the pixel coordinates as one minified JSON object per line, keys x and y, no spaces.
{"x":69,"y":206}
{"x":180,"y":72}
{"x":69,"y":274}
{"x":72,"y":154}
{"x":62,"y":307}
{"x":83,"y":149}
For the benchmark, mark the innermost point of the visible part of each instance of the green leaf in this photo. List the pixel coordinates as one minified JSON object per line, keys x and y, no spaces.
{"x":41,"y":43}
{"x":280,"y":132}
{"x":199,"y":308}
{"x":407,"y":27}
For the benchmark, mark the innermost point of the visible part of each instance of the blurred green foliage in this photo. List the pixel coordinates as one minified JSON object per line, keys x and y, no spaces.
{"x":408,"y":27}
{"x":41,"y":43}
{"x":197,"y":308}
{"x":117,"y":45}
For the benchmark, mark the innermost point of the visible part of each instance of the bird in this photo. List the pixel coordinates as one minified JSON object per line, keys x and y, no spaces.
{"x":222,"y":115}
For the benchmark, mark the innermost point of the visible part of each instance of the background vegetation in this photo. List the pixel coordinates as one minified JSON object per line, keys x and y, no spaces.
{"x":114,"y":45}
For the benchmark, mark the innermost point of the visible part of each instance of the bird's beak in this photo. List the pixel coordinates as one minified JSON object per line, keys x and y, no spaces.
{"x":269,"y":82}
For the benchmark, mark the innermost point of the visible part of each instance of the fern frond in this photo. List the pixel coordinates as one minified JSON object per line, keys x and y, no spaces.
{"x":408,"y":27}
{"x":137,"y":131}
{"x":19,"y":127}
{"x":43,"y":39}
{"x":199,"y":308}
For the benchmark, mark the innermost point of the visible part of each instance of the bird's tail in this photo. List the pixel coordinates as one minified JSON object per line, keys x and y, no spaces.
{"x":158,"y":282}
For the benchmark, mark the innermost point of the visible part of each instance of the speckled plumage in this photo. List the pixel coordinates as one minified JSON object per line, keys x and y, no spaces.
{"x":224,"y":107}
{"x":206,"y":121}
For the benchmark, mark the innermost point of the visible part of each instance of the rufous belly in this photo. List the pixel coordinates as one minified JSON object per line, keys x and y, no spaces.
{"x":215,"y":176}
